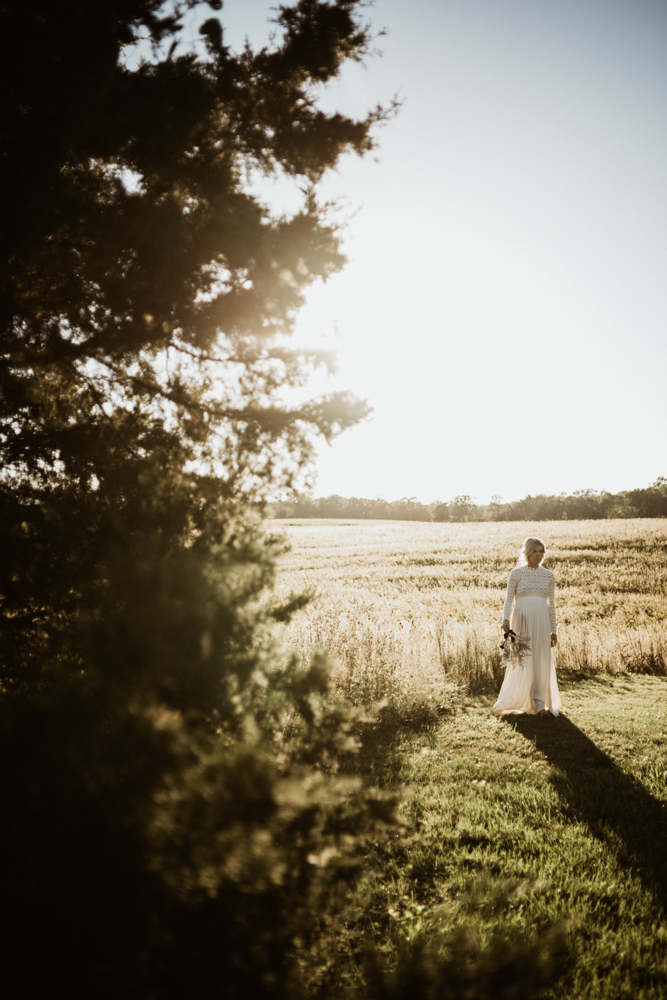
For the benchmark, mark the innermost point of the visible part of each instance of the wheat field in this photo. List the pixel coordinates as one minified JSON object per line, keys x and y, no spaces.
{"x":410,"y":611}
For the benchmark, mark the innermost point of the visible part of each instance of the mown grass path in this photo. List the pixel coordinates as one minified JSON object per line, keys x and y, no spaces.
{"x":573,"y":809}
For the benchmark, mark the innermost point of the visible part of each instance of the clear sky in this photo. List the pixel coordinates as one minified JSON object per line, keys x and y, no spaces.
{"x":504,"y":308}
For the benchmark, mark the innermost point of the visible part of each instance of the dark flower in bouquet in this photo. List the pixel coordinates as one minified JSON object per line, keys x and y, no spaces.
{"x":515,"y":648}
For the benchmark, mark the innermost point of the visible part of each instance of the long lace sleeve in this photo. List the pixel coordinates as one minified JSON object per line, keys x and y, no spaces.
{"x":552,"y":602}
{"x":511,"y":591}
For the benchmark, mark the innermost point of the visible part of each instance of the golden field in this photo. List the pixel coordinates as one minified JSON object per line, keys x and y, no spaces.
{"x":409,"y":609}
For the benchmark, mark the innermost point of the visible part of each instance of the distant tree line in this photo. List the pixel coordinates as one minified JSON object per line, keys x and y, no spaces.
{"x":583,"y":505}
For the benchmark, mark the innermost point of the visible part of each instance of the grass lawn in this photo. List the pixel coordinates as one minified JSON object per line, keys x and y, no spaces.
{"x":572,"y":812}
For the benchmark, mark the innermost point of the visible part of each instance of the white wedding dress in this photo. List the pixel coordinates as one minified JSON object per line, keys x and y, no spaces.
{"x":530,"y":685}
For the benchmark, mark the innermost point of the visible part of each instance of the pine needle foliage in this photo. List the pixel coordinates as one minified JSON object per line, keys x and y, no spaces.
{"x":146,"y":292}
{"x":172,"y":818}
{"x":169,"y":835}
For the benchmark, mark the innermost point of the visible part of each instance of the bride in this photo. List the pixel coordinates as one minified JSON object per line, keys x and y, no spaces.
{"x":530,"y":679}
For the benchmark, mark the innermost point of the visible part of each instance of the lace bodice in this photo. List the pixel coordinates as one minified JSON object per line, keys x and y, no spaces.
{"x":526,"y":582}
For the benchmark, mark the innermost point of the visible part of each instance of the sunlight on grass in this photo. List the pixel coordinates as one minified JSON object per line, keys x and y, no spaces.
{"x":528,"y":824}
{"x":521,"y":825}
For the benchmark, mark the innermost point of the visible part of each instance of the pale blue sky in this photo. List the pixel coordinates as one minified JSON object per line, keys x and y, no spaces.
{"x":505,"y":305}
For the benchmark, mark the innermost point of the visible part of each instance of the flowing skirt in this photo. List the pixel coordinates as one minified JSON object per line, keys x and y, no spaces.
{"x":531,"y":686}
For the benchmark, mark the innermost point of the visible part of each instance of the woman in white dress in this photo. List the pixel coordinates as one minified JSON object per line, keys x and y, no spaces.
{"x":530,"y":680}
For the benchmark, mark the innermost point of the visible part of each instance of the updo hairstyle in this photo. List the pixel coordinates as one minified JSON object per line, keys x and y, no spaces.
{"x":529,"y":545}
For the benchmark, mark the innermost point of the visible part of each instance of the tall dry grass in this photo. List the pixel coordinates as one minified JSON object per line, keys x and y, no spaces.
{"x":410,"y":611}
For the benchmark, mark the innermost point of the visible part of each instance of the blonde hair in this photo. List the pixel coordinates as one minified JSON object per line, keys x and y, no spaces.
{"x":529,"y":545}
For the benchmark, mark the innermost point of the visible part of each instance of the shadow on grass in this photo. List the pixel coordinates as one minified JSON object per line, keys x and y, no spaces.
{"x":380,"y":755}
{"x":597,"y":792}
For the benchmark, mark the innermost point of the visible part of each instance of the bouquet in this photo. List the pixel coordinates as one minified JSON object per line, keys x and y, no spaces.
{"x":515,"y":648}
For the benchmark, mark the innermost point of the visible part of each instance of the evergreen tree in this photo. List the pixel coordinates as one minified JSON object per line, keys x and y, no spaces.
{"x":170,"y":821}
{"x":146,"y":292}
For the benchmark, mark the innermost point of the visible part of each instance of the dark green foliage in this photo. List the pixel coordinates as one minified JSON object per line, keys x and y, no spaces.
{"x":171,"y":818}
{"x":144,"y":292}
{"x":171,"y":821}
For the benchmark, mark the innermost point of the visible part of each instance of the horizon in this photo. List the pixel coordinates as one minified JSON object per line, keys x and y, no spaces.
{"x":495,"y":497}
{"x":504,"y":305}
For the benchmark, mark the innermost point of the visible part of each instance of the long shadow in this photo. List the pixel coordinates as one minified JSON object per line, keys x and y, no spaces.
{"x":597,"y":792}
{"x":380,"y":757}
